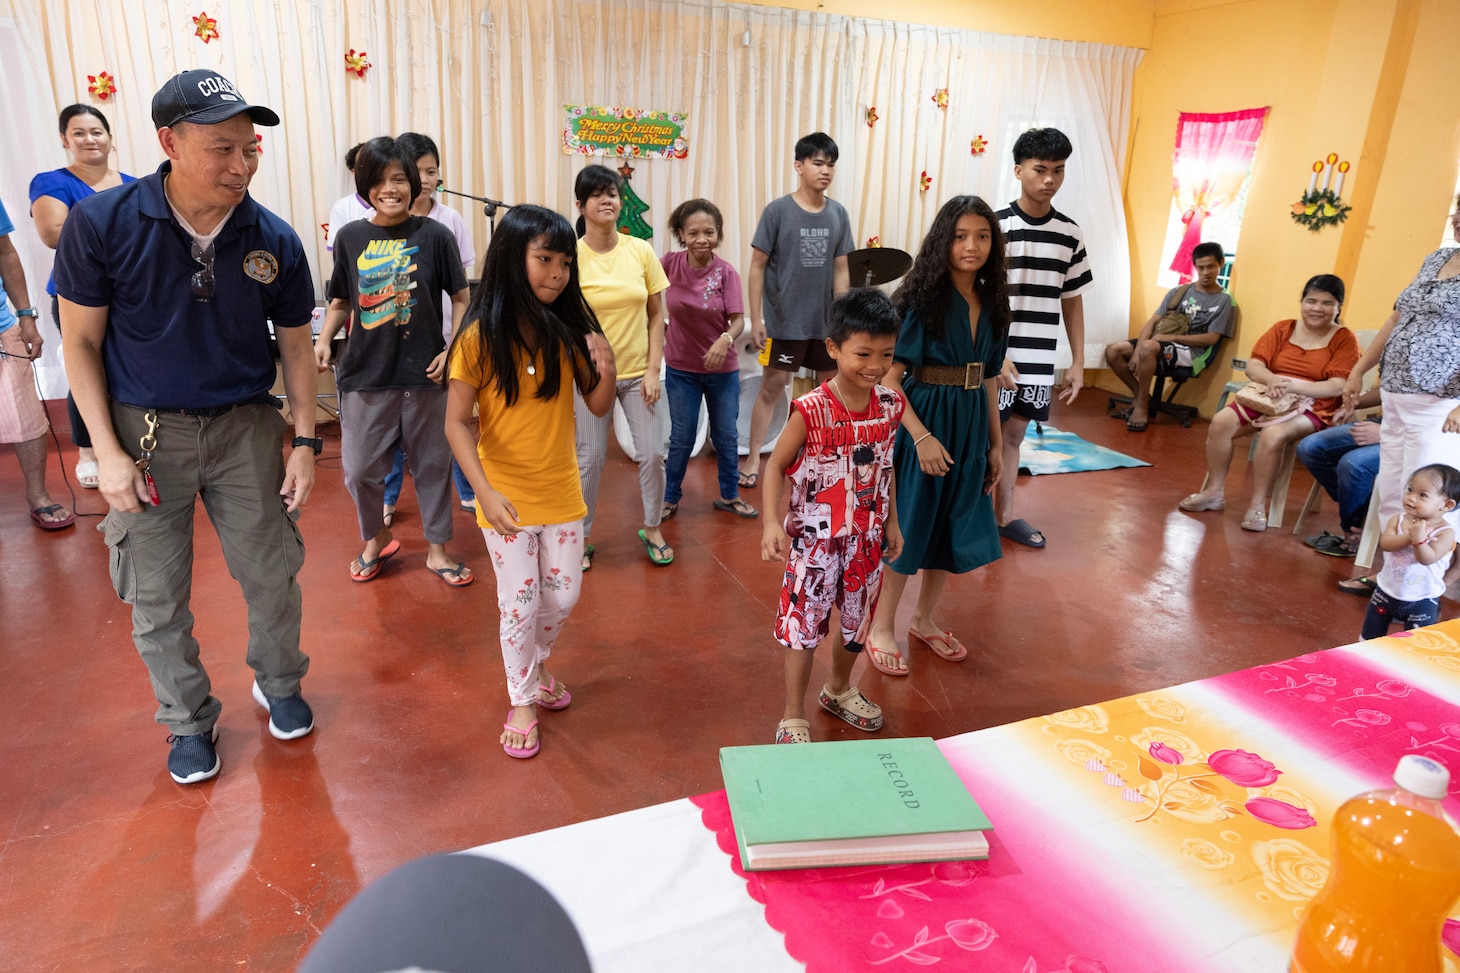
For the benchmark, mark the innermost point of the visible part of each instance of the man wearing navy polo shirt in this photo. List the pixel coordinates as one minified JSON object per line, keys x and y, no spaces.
{"x":166,"y":288}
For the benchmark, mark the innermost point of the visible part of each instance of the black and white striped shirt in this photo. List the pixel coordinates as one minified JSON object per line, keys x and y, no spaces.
{"x":1046,"y":262}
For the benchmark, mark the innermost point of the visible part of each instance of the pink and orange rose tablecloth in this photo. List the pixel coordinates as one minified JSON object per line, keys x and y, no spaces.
{"x":1176,"y":830}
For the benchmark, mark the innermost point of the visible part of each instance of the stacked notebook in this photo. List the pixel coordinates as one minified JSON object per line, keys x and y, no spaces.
{"x":855,"y":802}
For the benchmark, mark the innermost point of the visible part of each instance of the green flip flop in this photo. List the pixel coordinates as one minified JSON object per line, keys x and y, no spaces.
{"x":660,"y":554}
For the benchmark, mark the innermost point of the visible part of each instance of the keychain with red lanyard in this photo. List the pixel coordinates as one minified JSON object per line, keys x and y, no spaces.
{"x":148,"y":443}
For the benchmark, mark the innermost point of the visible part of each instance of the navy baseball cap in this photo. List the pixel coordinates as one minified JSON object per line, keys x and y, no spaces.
{"x":203,"y":97}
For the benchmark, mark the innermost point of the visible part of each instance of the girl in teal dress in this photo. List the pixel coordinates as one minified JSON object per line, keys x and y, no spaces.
{"x":955,"y":307}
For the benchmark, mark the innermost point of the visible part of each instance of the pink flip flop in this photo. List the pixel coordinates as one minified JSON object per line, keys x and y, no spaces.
{"x":553,"y":702}
{"x":870,"y":651}
{"x":521,"y":753}
{"x":943,"y":643}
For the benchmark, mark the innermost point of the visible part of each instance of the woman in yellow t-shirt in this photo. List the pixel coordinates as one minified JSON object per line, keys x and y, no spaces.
{"x":623,"y":283}
{"x":529,"y":337}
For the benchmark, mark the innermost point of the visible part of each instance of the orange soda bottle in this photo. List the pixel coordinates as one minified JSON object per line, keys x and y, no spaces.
{"x":1395,"y":877}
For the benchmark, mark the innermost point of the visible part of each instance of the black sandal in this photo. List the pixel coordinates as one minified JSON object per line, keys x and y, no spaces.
{"x":1363,"y":586}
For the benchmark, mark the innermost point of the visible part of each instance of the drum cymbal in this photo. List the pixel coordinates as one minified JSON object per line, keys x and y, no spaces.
{"x":877,"y":265}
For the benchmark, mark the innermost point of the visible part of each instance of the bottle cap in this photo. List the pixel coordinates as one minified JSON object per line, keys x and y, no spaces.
{"x":1422,"y":776}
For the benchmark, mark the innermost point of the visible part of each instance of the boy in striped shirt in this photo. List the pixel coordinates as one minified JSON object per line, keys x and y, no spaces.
{"x":1048,"y":271}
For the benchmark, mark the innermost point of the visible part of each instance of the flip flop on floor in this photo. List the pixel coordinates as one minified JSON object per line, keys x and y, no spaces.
{"x":1121,"y":414}
{"x":521,"y":753}
{"x":1020,"y":532}
{"x":667,"y":510}
{"x":660,"y":554}
{"x":1363,"y":586}
{"x":737,"y":507}
{"x":369,"y":570}
{"x":463,"y":575}
{"x":39,"y":515}
{"x":88,"y":475}
{"x":387,"y":517}
{"x":587,"y":556}
{"x":554,"y":700}
{"x":748,"y":481}
{"x":942,"y":643}
{"x":870,"y":651}
{"x":1136,"y":425}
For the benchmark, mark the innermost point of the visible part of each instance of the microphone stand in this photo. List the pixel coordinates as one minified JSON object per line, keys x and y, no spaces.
{"x":489,"y":205}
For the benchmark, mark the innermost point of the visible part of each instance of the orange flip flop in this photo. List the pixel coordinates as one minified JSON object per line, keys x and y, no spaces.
{"x":942,"y":643}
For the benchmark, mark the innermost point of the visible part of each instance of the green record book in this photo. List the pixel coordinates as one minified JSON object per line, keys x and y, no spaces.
{"x":855,"y":802}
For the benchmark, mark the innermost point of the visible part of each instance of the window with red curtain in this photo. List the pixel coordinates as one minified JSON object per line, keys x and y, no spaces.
{"x":1209,"y":175}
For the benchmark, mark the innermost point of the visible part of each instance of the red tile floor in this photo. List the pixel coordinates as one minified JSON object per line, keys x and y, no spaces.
{"x":106,"y":864}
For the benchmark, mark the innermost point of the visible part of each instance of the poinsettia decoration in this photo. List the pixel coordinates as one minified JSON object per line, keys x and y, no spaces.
{"x":205,"y":27}
{"x":872,"y":115}
{"x":102,"y":85}
{"x":873,"y":242}
{"x":940,"y":98}
{"x":357,"y":61}
{"x":978,"y":146}
{"x":925,"y":182}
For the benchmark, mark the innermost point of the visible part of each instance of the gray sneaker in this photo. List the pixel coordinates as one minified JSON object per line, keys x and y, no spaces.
{"x":193,"y":758}
{"x":289,"y":716}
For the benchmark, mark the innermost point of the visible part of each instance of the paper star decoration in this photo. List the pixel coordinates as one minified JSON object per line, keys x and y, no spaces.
{"x":978,"y":146}
{"x":205,"y":27}
{"x":873,"y":242}
{"x":356,"y":61}
{"x":259,"y":141}
{"x":326,"y":228}
{"x":940,"y":97}
{"x":102,"y":85}
{"x":626,"y":170}
{"x":925,"y":182}
{"x":872,"y":116}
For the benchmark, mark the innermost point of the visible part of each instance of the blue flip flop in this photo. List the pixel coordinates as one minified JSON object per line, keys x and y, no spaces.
{"x":1020,"y":532}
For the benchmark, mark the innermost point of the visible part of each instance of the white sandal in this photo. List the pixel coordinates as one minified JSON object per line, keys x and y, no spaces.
{"x":88,"y":471}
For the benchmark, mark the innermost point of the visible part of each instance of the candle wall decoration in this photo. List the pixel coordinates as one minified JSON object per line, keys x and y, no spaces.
{"x":1320,"y":207}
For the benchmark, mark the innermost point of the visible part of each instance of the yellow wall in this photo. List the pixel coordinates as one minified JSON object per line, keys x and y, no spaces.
{"x":1368,"y":79}
{"x":1123,"y":22}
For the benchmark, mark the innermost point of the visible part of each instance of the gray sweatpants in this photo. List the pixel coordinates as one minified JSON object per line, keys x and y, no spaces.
{"x":372,"y":424}
{"x":592,"y":441}
{"x":235,"y":463}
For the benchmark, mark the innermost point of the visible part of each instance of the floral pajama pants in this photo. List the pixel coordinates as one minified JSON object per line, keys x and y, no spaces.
{"x":539,"y":574}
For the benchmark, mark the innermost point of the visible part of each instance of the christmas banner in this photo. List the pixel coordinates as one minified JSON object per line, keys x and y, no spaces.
{"x":625,"y":132}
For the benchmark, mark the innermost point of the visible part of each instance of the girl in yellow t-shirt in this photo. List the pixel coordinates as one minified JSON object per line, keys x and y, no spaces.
{"x":529,"y":338}
{"x":624,"y":283}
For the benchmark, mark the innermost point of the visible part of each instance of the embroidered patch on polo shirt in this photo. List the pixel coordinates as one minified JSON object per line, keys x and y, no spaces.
{"x":262,"y":266}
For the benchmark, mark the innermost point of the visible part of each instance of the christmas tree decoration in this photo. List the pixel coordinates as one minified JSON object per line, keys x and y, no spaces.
{"x":871,"y":115}
{"x":102,"y":85}
{"x":357,"y":62}
{"x":925,"y":182}
{"x":205,"y":28}
{"x":1318,"y":208}
{"x":873,"y":242}
{"x":978,"y":146}
{"x":940,"y":98}
{"x":631,"y":216}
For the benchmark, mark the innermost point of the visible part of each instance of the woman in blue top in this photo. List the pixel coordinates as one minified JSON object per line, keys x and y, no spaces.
{"x":955,"y":331}
{"x":87,"y":136}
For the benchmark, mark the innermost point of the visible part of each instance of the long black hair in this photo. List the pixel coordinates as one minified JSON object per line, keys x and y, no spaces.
{"x":593,"y":179}
{"x":928,"y":287}
{"x":505,"y":310}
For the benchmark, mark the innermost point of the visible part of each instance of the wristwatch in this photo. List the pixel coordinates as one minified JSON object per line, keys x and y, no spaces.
{"x":315,"y":444}
{"x":25,"y":312}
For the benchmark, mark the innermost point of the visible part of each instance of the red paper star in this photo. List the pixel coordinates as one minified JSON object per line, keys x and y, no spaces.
{"x":940,"y":97}
{"x":205,"y":27}
{"x":978,"y":146}
{"x":873,"y":242}
{"x":357,"y":62}
{"x":925,"y":182}
{"x":626,"y":170}
{"x":259,"y":141}
{"x":102,"y":85}
{"x":872,"y":116}
{"x":326,"y":228}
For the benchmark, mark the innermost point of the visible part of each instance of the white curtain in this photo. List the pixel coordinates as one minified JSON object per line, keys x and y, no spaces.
{"x":488,"y":78}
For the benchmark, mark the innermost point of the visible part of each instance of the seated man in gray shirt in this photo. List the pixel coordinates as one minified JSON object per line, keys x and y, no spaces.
{"x":1213,"y":316}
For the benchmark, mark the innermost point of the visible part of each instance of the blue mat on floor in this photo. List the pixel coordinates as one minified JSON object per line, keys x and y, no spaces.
{"x":1063,"y":452}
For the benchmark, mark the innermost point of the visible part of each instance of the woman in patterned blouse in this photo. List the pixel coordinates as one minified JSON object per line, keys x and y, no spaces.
{"x":1418,"y":353}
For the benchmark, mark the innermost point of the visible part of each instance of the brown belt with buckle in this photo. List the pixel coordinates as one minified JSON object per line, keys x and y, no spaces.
{"x":968,"y":376}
